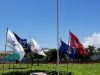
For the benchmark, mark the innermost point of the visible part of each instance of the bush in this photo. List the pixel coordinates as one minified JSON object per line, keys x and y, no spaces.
{"x":28,"y":72}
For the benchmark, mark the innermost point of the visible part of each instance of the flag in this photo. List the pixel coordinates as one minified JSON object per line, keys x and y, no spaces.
{"x":66,"y":49}
{"x":23,"y":42}
{"x":74,"y":42}
{"x":14,"y":44}
{"x":72,"y":52}
{"x":35,"y":47}
{"x":63,"y":48}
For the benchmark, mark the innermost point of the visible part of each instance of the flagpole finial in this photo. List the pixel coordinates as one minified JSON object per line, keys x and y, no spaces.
{"x":69,"y":30}
{"x":7,"y":28}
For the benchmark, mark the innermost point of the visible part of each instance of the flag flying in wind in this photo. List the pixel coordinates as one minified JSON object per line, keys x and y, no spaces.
{"x":23,"y":42}
{"x":14,"y":44}
{"x":63,"y":48}
{"x":74,"y":42}
{"x":72,"y":52}
{"x":66,"y":49}
{"x":35,"y":47}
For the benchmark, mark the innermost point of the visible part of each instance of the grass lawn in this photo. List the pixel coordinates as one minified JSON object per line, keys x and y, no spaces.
{"x":76,"y":69}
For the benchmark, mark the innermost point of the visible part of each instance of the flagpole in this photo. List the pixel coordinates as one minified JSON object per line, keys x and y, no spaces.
{"x":57,"y":39}
{"x":13,"y":62}
{"x":27,"y":59}
{"x":20,"y":60}
{"x":4,"y":52}
{"x":68,"y":49}
{"x":31,"y":55}
{"x":60,"y":52}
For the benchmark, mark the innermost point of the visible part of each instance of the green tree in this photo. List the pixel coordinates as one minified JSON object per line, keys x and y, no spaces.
{"x":90,"y":50}
{"x":51,"y":55}
{"x":98,"y":49}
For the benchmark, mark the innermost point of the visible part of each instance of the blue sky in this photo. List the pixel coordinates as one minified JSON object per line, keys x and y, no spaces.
{"x":37,"y":18}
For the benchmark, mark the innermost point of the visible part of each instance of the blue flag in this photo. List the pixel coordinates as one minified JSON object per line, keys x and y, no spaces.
{"x":72,"y":54}
{"x":66,"y":49}
{"x":23,"y":42}
{"x":63,"y":48}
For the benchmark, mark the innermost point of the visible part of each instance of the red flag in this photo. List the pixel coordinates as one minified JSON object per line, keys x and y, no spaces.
{"x":74,"y":42}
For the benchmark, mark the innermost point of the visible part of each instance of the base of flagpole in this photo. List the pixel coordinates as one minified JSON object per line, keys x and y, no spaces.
{"x":38,"y":73}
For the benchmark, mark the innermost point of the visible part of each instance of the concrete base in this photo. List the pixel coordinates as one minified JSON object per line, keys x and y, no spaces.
{"x":38,"y":73}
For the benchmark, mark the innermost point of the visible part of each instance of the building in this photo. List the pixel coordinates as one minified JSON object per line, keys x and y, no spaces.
{"x":45,"y":49}
{"x":96,"y":55}
{"x":3,"y":54}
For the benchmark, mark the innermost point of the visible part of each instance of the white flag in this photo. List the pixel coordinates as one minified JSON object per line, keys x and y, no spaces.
{"x":14,"y":44}
{"x":35,"y":47}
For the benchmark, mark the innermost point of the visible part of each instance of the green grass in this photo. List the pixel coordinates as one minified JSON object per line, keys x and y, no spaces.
{"x":76,"y":69}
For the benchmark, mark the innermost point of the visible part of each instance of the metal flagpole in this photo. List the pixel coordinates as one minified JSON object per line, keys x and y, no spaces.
{"x":69,"y":50}
{"x":13,"y":63}
{"x":20,"y":60}
{"x":4,"y":52}
{"x":27,"y":53}
{"x":31,"y":53}
{"x":27,"y":59}
{"x":57,"y":39}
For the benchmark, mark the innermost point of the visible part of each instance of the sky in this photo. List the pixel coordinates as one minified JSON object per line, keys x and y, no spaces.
{"x":37,"y":18}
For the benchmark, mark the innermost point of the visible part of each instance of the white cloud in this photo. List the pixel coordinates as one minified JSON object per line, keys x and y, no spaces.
{"x":92,"y":40}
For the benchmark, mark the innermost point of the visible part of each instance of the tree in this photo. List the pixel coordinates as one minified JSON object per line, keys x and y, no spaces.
{"x":51,"y":55}
{"x":98,"y":49}
{"x":90,"y":50}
